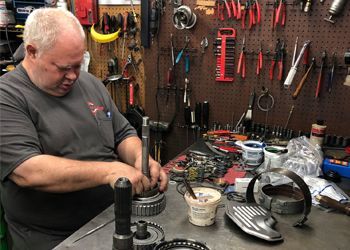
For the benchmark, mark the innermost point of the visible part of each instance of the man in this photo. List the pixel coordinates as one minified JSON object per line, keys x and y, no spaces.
{"x":63,"y":142}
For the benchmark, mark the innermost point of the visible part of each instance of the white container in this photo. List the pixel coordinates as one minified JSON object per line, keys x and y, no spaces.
{"x":252,"y":152}
{"x":275,"y":160}
{"x":202,"y":211}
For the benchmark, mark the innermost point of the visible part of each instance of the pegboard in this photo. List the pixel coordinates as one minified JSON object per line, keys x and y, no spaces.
{"x":101,"y":53}
{"x":229,"y":100}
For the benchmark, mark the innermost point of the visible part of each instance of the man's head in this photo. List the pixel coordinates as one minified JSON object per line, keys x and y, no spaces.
{"x":54,"y":48}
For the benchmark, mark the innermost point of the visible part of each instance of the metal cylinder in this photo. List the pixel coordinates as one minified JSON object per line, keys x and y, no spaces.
{"x":141,"y":230}
{"x":337,"y":6}
{"x":145,"y":146}
{"x":123,"y":237}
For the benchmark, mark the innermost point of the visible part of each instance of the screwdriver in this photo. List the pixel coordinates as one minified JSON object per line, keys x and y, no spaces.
{"x":125,"y":28}
{"x":320,"y":76}
{"x":331,"y":73}
{"x":303,"y":80}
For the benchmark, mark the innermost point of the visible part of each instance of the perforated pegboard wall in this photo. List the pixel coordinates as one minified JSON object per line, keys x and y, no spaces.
{"x":101,"y":53}
{"x":229,"y":100}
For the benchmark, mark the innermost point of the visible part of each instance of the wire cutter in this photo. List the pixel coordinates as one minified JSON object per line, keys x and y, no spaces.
{"x":275,"y":60}
{"x":178,"y":57}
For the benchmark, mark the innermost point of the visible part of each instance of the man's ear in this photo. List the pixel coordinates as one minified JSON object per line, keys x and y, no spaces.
{"x":31,"y":51}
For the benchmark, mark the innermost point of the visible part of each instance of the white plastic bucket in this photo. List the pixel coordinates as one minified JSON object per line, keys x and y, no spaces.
{"x":276,"y":159}
{"x":252,"y":152}
{"x":202,"y":211}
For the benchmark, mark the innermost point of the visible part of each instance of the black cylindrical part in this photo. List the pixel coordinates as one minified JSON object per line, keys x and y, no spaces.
{"x":206,"y":115}
{"x":187,"y":115}
{"x":122,"y":205}
{"x":123,"y":237}
{"x":198,"y":112}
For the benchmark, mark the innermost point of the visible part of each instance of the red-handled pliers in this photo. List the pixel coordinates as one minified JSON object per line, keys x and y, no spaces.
{"x":241,"y":61}
{"x":259,"y":61}
{"x":234,"y":8}
{"x":274,"y":60}
{"x":257,"y":8}
{"x":239,"y":10}
{"x":228,"y":9}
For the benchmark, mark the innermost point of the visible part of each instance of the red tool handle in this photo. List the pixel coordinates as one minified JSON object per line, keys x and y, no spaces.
{"x":234,"y":8}
{"x":239,"y":10}
{"x":228,"y":9}
{"x":125,"y":22}
{"x":284,"y":14}
{"x":240,"y":61}
{"x":131,"y":94}
{"x":280,"y":70}
{"x":258,"y":11}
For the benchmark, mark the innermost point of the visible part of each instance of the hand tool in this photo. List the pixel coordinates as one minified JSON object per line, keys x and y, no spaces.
{"x":239,"y":121}
{"x":125,"y":30}
{"x":257,"y":9}
{"x":244,"y":11}
{"x":239,"y":10}
{"x":281,"y":56}
{"x":274,"y":14}
{"x":205,"y":115}
{"x":295,"y":50}
{"x":303,"y":80}
{"x":234,"y":8}
{"x":335,"y":9}
{"x":280,"y":11}
{"x":275,"y":60}
{"x":347,"y":63}
{"x":241,"y":69}
{"x":259,"y":63}
{"x":331,"y":72}
{"x":123,"y":236}
{"x":289,"y":116}
{"x":93,"y":230}
{"x":293,"y":69}
{"x":248,"y":115}
{"x":320,"y":76}
{"x":198,"y":113}
{"x":204,"y":44}
{"x":307,"y":6}
{"x":133,"y":11}
{"x":189,"y":189}
{"x":178,"y":57}
{"x":306,"y":58}
{"x":228,"y":9}
{"x":329,"y":202}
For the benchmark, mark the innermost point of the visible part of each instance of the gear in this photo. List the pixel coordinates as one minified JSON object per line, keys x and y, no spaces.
{"x":182,"y":244}
{"x":148,"y":206}
{"x":146,"y":235}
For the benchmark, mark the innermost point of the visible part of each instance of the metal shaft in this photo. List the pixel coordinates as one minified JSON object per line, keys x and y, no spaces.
{"x":123,"y":237}
{"x":145,"y":146}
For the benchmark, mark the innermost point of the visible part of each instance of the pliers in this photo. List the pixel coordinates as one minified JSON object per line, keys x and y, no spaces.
{"x":178,"y":57}
{"x":281,"y":10}
{"x":241,"y":62}
{"x":259,"y":61}
{"x":275,"y":60}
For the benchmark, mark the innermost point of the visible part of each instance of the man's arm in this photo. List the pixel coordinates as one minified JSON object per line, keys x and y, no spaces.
{"x":130,"y":151}
{"x":55,"y":174}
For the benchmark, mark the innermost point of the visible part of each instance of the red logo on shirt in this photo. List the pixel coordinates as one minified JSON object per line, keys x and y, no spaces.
{"x":94,"y":108}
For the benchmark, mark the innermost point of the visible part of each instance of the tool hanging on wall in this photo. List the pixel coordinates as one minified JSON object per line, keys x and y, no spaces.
{"x":335,"y":9}
{"x":331,"y":72}
{"x":347,"y":63}
{"x":184,"y":18}
{"x":321,"y":74}
{"x":259,"y":63}
{"x":303,"y":80}
{"x":86,"y":11}
{"x":293,"y":69}
{"x":225,"y":54}
{"x":241,"y":68}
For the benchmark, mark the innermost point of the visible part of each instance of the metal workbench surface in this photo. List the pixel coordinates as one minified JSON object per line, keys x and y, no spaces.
{"x":322,"y":230}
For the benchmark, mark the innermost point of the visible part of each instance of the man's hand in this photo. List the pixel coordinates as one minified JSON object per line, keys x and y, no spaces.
{"x":140,"y":182}
{"x":156,"y":172}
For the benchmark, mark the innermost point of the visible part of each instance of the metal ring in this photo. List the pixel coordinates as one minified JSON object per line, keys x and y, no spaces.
{"x":267,"y":107}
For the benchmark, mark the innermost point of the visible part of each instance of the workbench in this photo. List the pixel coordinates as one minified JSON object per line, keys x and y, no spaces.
{"x":322,"y":230}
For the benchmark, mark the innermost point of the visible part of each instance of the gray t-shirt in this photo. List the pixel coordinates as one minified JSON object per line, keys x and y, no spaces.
{"x":84,"y":125}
